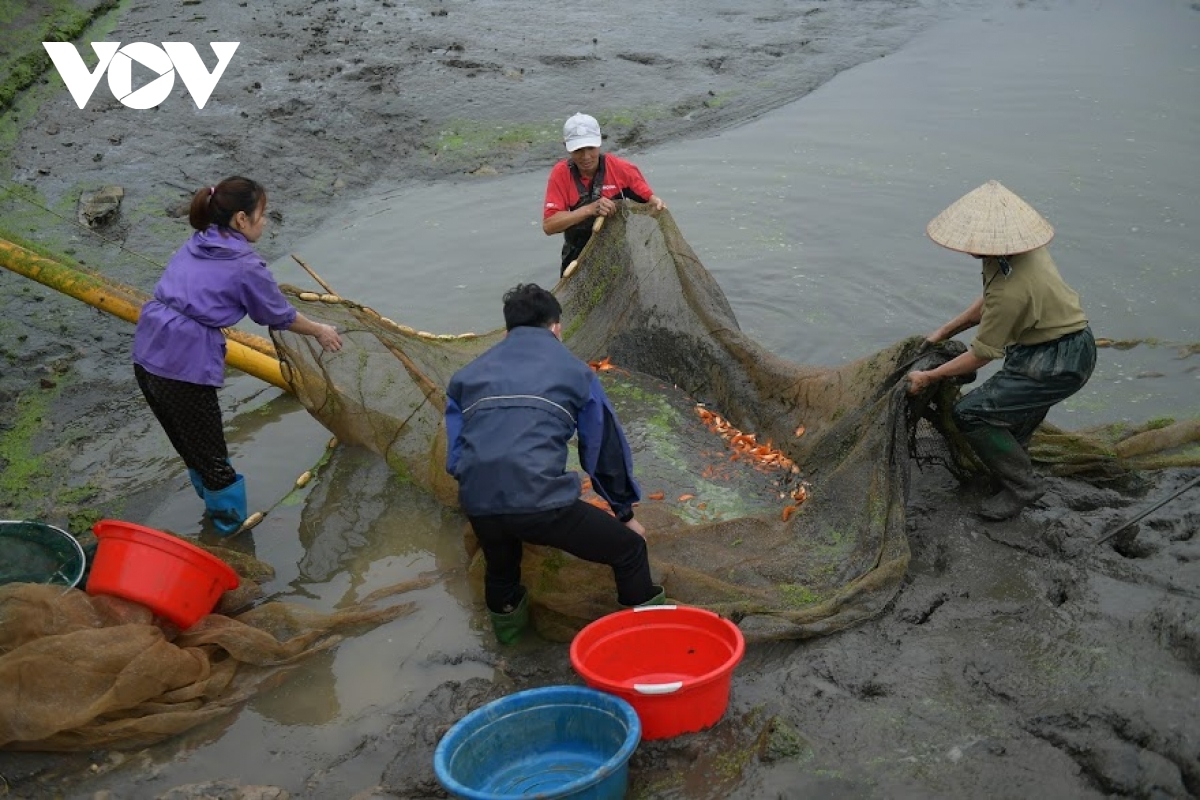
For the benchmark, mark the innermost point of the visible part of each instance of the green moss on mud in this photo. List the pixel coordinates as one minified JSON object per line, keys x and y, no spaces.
{"x":23,"y":28}
{"x":23,"y":470}
{"x":78,"y":494}
{"x":82,"y":519}
{"x":464,"y":138}
{"x":730,"y":766}
{"x":612,"y":121}
{"x":719,"y":99}
{"x":150,"y":214}
{"x":16,"y":238}
{"x":21,"y":210}
{"x":781,"y":741}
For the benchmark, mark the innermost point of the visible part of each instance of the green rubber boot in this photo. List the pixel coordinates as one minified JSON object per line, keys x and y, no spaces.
{"x":509,"y":625}
{"x":659,"y":599}
{"x":1001,"y":453}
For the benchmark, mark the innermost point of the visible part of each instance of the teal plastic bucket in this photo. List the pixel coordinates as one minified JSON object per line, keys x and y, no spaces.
{"x":34,"y":552}
{"x":550,"y":743}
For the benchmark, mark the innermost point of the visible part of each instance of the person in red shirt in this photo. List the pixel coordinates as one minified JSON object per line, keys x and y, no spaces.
{"x":587,"y":184}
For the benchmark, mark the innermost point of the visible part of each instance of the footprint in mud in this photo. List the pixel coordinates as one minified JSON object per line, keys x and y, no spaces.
{"x":647,"y":59}
{"x":566,"y":61}
{"x":1179,"y":632}
{"x":1128,"y":545}
{"x":1120,"y":755}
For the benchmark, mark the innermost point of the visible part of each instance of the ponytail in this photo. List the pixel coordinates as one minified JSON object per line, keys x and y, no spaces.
{"x":217,"y":205}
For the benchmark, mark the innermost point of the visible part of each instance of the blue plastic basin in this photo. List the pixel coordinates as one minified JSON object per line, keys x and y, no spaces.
{"x":554,"y":742}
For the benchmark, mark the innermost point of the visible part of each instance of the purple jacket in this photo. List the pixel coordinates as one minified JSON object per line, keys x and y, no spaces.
{"x":212,"y":282}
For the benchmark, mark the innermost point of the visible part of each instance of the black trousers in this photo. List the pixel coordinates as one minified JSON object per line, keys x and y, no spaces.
{"x":1034,"y":377}
{"x":580,"y":529}
{"x":191,"y":416}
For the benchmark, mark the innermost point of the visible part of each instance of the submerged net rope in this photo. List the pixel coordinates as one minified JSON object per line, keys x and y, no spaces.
{"x":795,"y":551}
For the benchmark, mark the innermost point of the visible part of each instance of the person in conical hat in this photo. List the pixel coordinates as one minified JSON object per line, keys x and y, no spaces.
{"x":1026,"y":315}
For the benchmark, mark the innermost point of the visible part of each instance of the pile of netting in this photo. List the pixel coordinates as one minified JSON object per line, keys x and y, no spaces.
{"x":79,"y":672}
{"x":775,"y":492}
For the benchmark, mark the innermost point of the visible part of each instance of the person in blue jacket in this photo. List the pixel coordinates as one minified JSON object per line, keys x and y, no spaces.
{"x":510,"y":415}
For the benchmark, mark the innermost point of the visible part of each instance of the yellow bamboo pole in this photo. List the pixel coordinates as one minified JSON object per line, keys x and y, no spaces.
{"x":125,"y":303}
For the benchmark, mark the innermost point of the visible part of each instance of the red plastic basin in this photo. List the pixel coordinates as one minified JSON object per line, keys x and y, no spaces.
{"x":171,"y":577}
{"x":673,"y":664}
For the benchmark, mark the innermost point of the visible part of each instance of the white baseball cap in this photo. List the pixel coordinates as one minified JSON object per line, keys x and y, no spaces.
{"x":581,"y":131}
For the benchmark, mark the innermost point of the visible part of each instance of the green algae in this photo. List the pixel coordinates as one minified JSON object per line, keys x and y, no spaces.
{"x":24,"y":60}
{"x":781,"y":741}
{"x":465,"y":138}
{"x":797,"y":595}
{"x":23,"y":467}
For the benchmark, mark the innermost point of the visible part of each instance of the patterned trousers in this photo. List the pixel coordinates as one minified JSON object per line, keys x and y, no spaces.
{"x":191,"y":416}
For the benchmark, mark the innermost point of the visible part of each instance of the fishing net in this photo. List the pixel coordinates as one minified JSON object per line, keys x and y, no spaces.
{"x":33,"y":552}
{"x":775,"y":492}
{"x":79,"y":672}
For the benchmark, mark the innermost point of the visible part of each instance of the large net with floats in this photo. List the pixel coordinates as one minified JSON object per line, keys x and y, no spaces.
{"x":775,"y":492}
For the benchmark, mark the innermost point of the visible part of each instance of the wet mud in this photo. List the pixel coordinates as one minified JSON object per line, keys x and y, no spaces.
{"x":1017,"y":661}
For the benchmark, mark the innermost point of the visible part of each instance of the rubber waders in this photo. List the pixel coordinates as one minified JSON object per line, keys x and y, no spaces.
{"x":1001,"y":453}
{"x":509,"y":625}
{"x":227,"y":507}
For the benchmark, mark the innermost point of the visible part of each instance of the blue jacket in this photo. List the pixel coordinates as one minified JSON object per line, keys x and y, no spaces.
{"x":510,"y":414}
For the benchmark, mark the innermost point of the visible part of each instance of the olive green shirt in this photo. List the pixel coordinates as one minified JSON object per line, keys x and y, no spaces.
{"x":1031,"y":305}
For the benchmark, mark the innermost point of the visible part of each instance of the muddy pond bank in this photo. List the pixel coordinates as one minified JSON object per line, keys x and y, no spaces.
{"x":1009,"y":666}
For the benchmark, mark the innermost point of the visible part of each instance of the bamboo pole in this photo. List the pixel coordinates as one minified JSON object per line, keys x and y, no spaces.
{"x":126,"y":303}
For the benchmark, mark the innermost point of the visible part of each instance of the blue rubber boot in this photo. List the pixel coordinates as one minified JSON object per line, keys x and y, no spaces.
{"x":227,"y":507}
{"x":197,"y":484}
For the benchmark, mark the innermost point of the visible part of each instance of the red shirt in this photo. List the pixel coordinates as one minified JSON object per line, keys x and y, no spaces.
{"x":619,"y":175}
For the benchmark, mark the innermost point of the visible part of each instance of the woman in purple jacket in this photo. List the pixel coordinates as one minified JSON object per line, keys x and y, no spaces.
{"x":211,"y":283}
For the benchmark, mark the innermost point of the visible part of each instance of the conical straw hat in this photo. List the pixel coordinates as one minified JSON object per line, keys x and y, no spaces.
{"x":990,"y":221}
